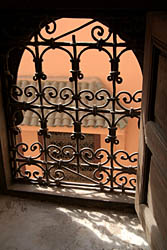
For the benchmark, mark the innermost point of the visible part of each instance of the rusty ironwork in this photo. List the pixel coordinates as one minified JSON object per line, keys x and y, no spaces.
{"x":52,"y":162}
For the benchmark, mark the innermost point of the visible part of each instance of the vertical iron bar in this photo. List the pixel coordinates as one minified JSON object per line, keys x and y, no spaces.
{"x":38,"y":68}
{"x":113,"y":68}
{"x":75,"y":78}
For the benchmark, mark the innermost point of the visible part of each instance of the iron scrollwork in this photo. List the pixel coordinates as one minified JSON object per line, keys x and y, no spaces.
{"x":52,"y":163}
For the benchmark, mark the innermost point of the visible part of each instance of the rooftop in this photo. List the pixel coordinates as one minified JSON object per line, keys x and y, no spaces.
{"x":63,"y":88}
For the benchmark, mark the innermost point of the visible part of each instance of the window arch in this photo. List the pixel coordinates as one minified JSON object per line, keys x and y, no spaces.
{"x":100,"y":45}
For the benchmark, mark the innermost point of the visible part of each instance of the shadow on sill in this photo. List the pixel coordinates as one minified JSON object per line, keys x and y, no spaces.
{"x":80,"y":197}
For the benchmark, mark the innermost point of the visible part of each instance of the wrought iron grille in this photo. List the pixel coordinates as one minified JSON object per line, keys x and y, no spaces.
{"x":53,"y":162}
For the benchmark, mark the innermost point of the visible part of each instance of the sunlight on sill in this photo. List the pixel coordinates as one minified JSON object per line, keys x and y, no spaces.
{"x":90,"y":194}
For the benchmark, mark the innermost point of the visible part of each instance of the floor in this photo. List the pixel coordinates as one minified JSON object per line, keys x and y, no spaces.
{"x":40,"y":225}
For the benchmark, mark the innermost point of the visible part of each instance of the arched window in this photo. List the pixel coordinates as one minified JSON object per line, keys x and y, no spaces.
{"x":70,"y":120}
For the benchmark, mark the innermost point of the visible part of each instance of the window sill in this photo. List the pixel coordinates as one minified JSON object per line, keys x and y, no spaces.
{"x":88,"y":198}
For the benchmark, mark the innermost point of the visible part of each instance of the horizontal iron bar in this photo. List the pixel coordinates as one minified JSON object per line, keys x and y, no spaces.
{"x":65,"y":108}
{"x":79,"y":185}
{"x":64,"y":44}
{"x":94,"y":165}
{"x":93,"y":186}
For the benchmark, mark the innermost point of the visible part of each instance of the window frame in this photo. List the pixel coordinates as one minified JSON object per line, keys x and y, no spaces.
{"x":6,"y":184}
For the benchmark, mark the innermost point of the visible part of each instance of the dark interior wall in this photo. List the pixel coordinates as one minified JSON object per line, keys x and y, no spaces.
{"x":17,"y":26}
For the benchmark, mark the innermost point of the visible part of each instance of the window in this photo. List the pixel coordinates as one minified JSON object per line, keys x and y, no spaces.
{"x":61,"y":109}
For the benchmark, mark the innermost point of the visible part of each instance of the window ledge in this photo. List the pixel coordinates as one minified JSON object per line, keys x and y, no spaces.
{"x":88,"y":198}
